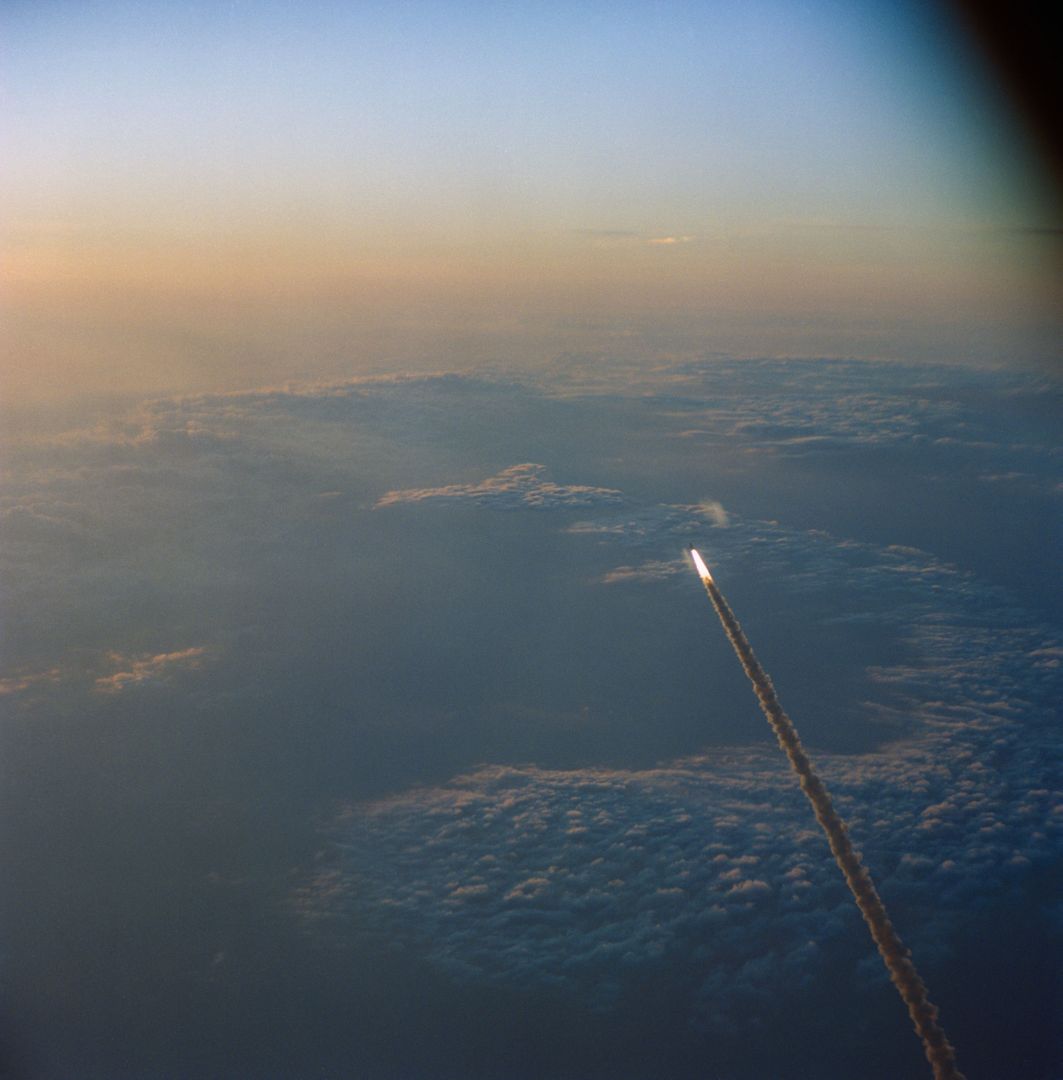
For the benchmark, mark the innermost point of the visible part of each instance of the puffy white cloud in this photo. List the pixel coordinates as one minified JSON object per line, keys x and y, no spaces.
{"x":246,"y":521}
{"x":645,"y":573}
{"x":27,"y":680}
{"x":133,"y":670}
{"x":713,"y":511}
{"x":523,"y":486}
{"x":712,"y":866}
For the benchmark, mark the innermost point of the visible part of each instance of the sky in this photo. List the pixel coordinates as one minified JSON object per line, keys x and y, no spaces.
{"x":368,"y":369}
{"x":232,"y":194}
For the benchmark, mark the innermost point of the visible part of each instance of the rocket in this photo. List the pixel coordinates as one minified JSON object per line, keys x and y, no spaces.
{"x":699,"y":563}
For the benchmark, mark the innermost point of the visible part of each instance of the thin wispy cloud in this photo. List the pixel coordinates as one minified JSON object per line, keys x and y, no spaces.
{"x":17,"y":684}
{"x":524,"y":486}
{"x":134,"y":670}
{"x":644,"y":573}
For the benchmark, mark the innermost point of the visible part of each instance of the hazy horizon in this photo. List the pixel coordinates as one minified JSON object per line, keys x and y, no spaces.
{"x":206,"y":197}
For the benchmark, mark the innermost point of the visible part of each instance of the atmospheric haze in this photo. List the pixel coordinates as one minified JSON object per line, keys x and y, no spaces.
{"x":199,"y":197}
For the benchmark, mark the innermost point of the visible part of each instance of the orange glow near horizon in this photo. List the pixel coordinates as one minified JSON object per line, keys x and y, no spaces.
{"x":200,"y":198}
{"x":91,"y":311}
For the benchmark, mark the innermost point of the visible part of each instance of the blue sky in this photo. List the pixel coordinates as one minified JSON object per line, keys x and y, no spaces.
{"x":640,"y":116}
{"x":219,"y":196}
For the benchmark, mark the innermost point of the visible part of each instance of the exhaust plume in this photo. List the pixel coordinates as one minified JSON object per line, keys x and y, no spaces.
{"x":895,"y":955}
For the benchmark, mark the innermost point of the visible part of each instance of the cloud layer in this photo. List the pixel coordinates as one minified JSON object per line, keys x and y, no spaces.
{"x":213,"y":632}
{"x":524,"y":487}
{"x":711,"y":867}
{"x":141,"y":669}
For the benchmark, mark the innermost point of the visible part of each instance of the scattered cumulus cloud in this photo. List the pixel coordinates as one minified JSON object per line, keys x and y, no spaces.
{"x":714,"y":512}
{"x":523,"y":486}
{"x":134,"y":670}
{"x":712,"y":867}
{"x":707,"y":867}
{"x":644,"y":573}
{"x":648,"y":525}
{"x":17,"y":684}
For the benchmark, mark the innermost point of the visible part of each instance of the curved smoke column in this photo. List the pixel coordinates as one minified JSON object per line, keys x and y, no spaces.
{"x":895,"y":955}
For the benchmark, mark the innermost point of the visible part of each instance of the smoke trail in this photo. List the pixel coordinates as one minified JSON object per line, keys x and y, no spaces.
{"x":895,"y":955}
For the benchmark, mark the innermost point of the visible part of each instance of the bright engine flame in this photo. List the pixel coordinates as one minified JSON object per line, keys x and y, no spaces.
{"x":703,"y":570}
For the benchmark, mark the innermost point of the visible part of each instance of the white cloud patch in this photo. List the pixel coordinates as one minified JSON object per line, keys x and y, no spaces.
{"x":645,"y":526}
{"x":713,"y":512}
{"x":240,"y":519}
{"x":28,"y":680}
{"x":645,"y":573}
{"x":519,"y":487}
{"x":134,"y":670}
{"x":712,"y":867}
{"x":703,"y":865}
